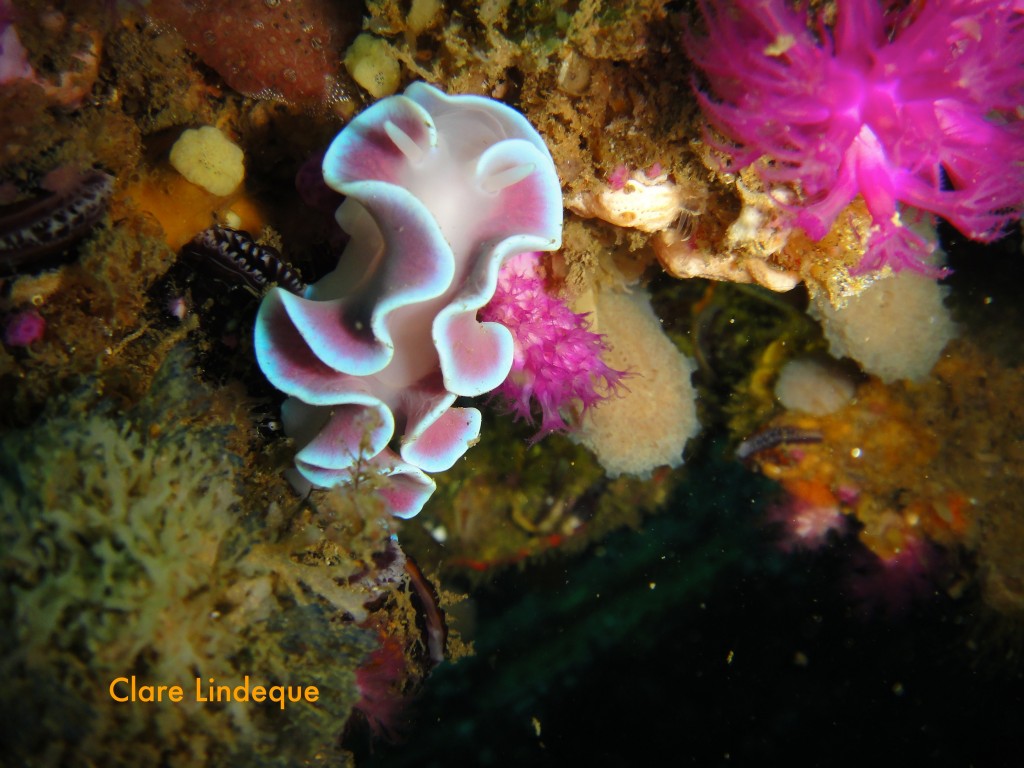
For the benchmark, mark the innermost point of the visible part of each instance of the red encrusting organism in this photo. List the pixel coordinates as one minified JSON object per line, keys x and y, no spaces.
{"x":379,"y":680}
{"x":916,"y":104}
{"x":289,"y":49}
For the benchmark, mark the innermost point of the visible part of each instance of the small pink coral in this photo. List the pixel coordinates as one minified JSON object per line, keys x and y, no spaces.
{"x":70,"y":87}
{"x":618,"y":178}
{"x":379,"y":681}
{"x":807,"y":515}
{"x":918,"y":106}
{"x":24,"y":328}
{"x":14,"y":63}
{"x":890,"y":585}
{"x":806,"y":525}
{"x":557,"y":360}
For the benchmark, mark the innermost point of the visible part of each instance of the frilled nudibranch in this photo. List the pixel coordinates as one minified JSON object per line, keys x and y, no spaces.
{"x":439,"y":191}
{"x":902,"y":103}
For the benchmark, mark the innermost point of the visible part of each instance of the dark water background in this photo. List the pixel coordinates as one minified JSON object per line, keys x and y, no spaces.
{"x":739,"y":655}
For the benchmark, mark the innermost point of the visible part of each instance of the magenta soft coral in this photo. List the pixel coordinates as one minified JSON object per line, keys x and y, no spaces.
{"x":921,"y":106}
{"x":557,"y":361}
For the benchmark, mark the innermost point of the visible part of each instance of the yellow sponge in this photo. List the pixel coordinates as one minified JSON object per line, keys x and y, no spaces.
{"x":209,"y":159}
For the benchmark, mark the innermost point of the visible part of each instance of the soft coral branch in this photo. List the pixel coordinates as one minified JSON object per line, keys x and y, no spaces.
{"x":919,"y":106}
{"x":557,"y":362}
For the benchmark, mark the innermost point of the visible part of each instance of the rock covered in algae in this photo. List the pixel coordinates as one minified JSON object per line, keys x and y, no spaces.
{"x":125,"y":553}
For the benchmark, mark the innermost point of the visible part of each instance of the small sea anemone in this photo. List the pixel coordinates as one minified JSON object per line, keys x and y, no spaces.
{"x":557,"y":361}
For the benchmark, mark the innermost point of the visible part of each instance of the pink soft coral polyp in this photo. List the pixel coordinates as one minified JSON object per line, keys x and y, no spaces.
{"x":439,"y":192}
{"x":557,"y":363}
{"x":919,"y":107}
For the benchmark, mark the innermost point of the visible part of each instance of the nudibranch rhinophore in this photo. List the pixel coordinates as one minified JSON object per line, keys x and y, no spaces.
{"x":439,"y":191}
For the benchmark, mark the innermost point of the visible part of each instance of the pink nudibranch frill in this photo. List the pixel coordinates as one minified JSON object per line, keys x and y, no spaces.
{"x":439,"y":191}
